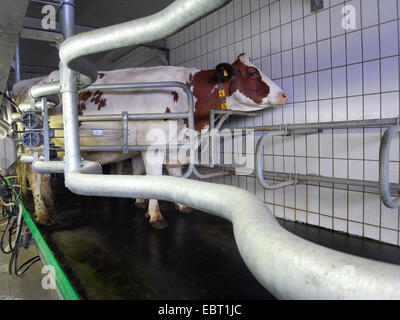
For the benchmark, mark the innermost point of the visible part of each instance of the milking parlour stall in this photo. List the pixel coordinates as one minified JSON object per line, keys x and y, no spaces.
{"x":201,"y":158}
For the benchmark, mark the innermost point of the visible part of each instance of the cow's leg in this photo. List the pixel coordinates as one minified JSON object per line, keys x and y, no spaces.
{"x":153,"y":167}
{"x":119,"y":167}
{"x":138,"y":169}
{"x":47,"y":193}
{"x":41,"y":213}
{"x":177,"y":172}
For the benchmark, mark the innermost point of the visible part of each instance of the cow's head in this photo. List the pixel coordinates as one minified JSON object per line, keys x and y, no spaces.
{"x":249,"y":88}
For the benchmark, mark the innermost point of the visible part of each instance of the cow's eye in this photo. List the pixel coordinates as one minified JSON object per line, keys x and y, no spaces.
{"x":252,"y":74}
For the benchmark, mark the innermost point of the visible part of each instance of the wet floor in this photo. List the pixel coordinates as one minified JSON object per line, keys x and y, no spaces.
{"x":109,"y":251}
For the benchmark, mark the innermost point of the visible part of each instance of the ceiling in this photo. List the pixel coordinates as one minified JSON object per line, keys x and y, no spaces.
{"x":89,"y":14}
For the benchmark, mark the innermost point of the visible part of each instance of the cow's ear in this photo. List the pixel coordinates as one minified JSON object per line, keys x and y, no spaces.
{"x":224,"y":71}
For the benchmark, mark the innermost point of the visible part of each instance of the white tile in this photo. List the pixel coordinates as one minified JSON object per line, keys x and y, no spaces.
{"x":275,"y":40}
{"x":338,"y":51}
{"x":340,"y":203}
{"x":265,"y":44}
{"x":301,"y":216}
{"x":387,"y":10}
{"x":238,"y":30}
{"x":356,"y":208}
{"x":339,"y":82}
{"x":389,"y":236}
{"x":255,"y":47}
{"x":289,"y":196}
{"x":311,"y":86}
{"x":325,"y":111}
{"x":288,"y":148}
{"x":310,"y":25}
{"x":312,"y":145}
{"x":325,"y":222}
{"x":354,"y":79}
{"x":390,"y":74}
{"x":372,"y":106}
{"x":300,"y":145}
{"x":355,"y":141}
{"x":340,"y":150}
{"x":231,"y":33}
{"x":297,"y":9}
{"x":389,"y":39}
{"x":276,"y":66}
{"x":278,"y":196}
{"x":289,"y":214}
{"x":255,"y":23}
{"x":279,"y":211}
{"x":237,"y":8}
{"x":312,"y":218}
{"x":370,"y":40}
{"x":390,"y":105}
{"x":313,"y":198}
{"x":371,"y":81}
{"x":353,"y":46}
{"x":285,"y":11}
{"x":339,"y":225}
{"x":340,"y":167}
{"x":355,"y":108}
{"x":301,"y":197}
{"x":355,"y":228}
{"x":222,"y":16}
{"x":254,"y":5}
{"x":247,"y":47}
{"x":324,"y":84}
{"x":325,"y":142}
{"x":298,"y":33}
{"x":229,"y":12}
{"x":245,"y":7}
{"x":339,"y":109}
{"x":274,"y":14}
{"x":264,"y":18}
{"x":371,"y":232}
{"x":301,"y":165}
{"x":299,"y":113}
{"x":356,"y":169}
{"x":311,"y":112}
{"x":389,"y":217}
{"x":324,"y":54}
{"x":369,"y":13}
{"x":287,"y":63}
{"x":298,"y":88}
{"x":372,"y":141}
{"x":371,"y":170}
{"x":326,"y":167}
{"x":323,"y":25}
{"x":246,"y":27}
{"x":223,"y":36}
{"x":313,"y":166}
{"x":286,"y":36}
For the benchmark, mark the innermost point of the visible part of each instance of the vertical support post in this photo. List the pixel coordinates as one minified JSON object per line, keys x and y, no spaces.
{"x":212,"y":137}
{"x":69,"y":95}
{"x":18,"y":63}
{"x":45,"y":120}
{"x":124,"y":132}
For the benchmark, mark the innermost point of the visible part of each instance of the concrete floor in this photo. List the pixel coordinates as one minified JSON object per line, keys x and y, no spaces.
{"x":27,"y":287}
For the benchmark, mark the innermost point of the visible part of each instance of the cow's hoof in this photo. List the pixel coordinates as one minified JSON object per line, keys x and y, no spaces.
{"x":183,"y":209}
{"x":141,"y":205}
{"x":45,"y":222}
{"x":159,"y":224}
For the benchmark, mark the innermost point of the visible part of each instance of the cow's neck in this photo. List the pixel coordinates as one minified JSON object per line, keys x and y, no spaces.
{"x":205,"y":90}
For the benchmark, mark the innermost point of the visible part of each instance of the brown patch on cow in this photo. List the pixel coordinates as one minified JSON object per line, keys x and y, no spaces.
{"x":167,"y":110}
{"x":175,"y":95}
{"x":98,"y":100}
{"x":81,"y":108}
{"x":85,"y":95}
{"x":100,"y":75}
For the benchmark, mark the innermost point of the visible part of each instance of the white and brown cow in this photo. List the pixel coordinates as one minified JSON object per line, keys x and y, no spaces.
{"x":246,"y":88}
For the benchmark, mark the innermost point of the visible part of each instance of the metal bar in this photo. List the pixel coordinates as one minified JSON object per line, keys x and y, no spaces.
{"x":259,"y":163}
{"x":384,"y":156}
{"x":311,"y":178}
{"x":45,"y":121}
{"x":327,"y":125}
{"x":130,"y":147}
{"x":18,"y":76}
{"x":124,"y":132}
{"x":134,"y":117}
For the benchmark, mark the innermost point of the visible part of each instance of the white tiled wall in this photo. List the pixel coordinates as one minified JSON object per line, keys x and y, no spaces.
{"x":330,"y":75}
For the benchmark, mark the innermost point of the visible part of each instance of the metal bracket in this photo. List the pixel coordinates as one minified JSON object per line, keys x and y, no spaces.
{"x":317,"y":5}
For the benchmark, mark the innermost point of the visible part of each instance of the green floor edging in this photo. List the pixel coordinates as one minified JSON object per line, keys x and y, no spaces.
{"x":62,"y":282}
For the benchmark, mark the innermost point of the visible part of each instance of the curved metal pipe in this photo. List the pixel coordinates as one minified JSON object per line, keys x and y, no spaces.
{"x":259,"y":160}
{"x":384,"y":156}
{"x":154,"y":27}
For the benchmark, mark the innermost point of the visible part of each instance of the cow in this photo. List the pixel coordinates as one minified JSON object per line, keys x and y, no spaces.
{"x":245,"y":87}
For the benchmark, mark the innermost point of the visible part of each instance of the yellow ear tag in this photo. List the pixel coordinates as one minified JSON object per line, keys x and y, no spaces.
{"x":221,"y":93}
{"x":224,"y":106}
{"x":225,"y":73}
